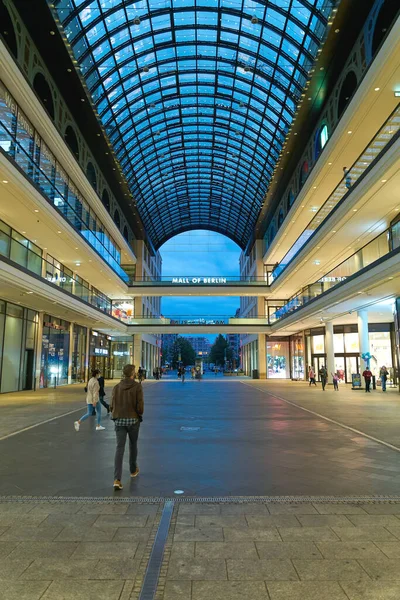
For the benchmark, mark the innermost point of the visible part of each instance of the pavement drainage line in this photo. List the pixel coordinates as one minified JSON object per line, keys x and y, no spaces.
{"x":71,"y":412}
{"x":384,"y":499}
{"x":149,"y":587}
{"x":312,"y":412}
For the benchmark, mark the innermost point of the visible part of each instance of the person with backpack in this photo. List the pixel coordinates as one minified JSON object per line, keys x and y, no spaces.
{"x":92,"y":401}
{"x":323,"y":374}
{"x":127,"y":407}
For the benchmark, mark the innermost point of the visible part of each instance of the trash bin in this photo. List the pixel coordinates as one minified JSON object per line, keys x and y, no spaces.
{"x":256,"y":374}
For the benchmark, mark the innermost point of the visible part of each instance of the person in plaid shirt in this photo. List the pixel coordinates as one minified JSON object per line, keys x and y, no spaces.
{"x":127,"y":408}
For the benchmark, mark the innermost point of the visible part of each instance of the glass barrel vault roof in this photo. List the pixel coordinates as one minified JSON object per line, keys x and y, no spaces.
{"x":196,"y":97}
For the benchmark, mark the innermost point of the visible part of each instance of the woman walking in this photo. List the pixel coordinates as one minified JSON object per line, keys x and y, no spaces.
{"x":92,"y":400}
{"x":102,"y":393}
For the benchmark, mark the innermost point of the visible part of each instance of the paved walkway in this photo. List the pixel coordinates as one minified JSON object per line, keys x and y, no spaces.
{"x":317,"y":550}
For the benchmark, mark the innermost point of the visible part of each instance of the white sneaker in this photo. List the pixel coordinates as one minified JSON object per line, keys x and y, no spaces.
{"x":76,"y":425}
{"x":99,"y":428}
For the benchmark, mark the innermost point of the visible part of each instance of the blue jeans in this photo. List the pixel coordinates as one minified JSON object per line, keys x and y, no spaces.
{"x":383,"y":384}
{"x":89,"y":413}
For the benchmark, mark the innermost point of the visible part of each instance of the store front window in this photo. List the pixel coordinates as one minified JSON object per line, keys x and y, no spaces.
{"x":278,"y":365}
{"x":121,"y":355}
{"x":18,"y":328}
{"x":297,"y":354}
{"x":123,"y":310}
{"x":78,"y":354}
{"x":380,"y":347}
{"x":55,"y":352}
{"x":99,"y":353}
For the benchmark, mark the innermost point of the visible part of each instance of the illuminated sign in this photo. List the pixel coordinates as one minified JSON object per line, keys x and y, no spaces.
{"x":102,"y":351}
{"x":206,"y":280}
{"x":331,"y":279}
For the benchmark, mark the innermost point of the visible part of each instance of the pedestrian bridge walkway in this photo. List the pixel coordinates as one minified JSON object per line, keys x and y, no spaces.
{"x":204,"y":285}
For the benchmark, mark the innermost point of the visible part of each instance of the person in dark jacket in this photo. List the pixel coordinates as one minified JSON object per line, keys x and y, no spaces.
{"x":127,"y":408}
{"x":102,"y":393}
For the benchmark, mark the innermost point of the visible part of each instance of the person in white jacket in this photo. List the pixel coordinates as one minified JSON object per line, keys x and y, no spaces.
{"x":92,"y":400}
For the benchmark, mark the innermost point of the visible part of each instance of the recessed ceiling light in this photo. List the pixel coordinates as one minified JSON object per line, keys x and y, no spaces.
{"x":349,"y":132}
{"x":377,"y":89}
{"x":4,"y":181}
{"x":333,"y":230}
{"x":354,"y":209}
{"x":337,"y":30}
{"x":28,"y":292}
{"x":58,"y":231}
{"x":383,"y":180}
{"x":52,"y":33}
{"x":36,"y":210}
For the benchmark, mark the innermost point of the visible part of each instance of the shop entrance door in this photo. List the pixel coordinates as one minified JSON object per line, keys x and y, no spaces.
{"x":352,"y":366}
{"x":318,"y":361}
{"x":28,"y":369}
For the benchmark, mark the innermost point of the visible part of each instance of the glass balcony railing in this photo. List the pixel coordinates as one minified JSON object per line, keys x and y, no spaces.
{"x":198,"y":320}
{"x":365,"y":257}
{"x":378,"y":144}
{"x":21,"y":143}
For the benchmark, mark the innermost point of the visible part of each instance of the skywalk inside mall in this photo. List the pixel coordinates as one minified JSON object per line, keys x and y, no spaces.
{"x":124,"y":124}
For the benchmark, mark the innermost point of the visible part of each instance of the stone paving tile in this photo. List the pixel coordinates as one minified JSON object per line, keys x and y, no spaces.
{"x":106,"y":549}
{"x":272,"y":570}
{"x":26,"y":534}
{"x":15,"y":508}
{"x":6,"y":548}
{"x":291,"y":509}
{"x":47,"y":508}
{"x":185,"y":520}
{"x":382,"y":569}
{"x":199,"y":509}
{"x":393,"y":530}
{"x":382,"y":509}
{"x":12,"y":569}
{"x":355,"y":550}
{"x":371,"y":590}
{"x":103,"y":509}
{"x":59,"y":568}
{"x":116,"y":521}
{"x":112,"y":568}
{"x":183,"y":549}
{"x":33,"y":550}
{"x":23,"y":590}
{"x":329,"y":570}
{"x":229,"y":590}
{"x":84,"y":590}
{"x":11,"y":520}
{"x":304,"y":590}
{"x":384,"y":520}
{"x":290,"y":550}
{"x":236,"y":534}
{"x":65,"y":520}
{"x":284,"y":520}
{"x":244,"y":509}
{"x":322,"y":534}
{"x":86,"y":534}
{"x":373,"y":533}
{"x":219,"y":521}
{"x":390,"y":549}
{"x":194,"y":534}
{"x":324,"y":521}
{"x":339,"y":509}
{"x":200,"y":569}
{"x":178,"y":590}
{"x":143,"y":509}
{"x":132,"y":534}
{"x":245,"y":550}
{"x":127,"y":590}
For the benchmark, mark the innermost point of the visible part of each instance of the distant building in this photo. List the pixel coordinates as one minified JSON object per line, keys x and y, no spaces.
{"x":233,"y":340}
{"x":167,"y":343}
{"x":201,"y":345}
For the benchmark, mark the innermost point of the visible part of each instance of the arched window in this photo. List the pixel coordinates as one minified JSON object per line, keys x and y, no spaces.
{"x":72,"y":141}
{"x":303,"y":173}
{"x":125,"y":233}
{"x":7,"y":31}
{"x":105,"y":198}
{"x":117,"y":219}
{"x":386,"y":16}
{"x":281,"y":218}
{"x":320,"y":140}
{"x":290,"y":199}
{"x":43,"y":91}
{"x":91,"y":175}
{"x":346,"y":91}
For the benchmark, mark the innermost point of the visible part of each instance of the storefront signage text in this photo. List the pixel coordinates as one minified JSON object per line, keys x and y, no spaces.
{"x":103,"y":351}
{"x":331,"y":279}
{"x":206,"y":280}
{"x":198,"y":322}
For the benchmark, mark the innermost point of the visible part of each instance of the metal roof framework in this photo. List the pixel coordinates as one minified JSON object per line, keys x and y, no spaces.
{"x":196,"y":98}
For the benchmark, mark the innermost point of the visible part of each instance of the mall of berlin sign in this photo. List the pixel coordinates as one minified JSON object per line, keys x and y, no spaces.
{"x":206,"y":280}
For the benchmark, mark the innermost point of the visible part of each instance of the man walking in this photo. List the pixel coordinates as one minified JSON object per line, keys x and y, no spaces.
{"x":383,"y":375}
{"x":367,"y":377}
{"x":323,"y":374}
{"x":127,"y":408}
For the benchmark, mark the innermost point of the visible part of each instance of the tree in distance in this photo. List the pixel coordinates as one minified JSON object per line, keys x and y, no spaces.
{"x":220,"y":351}
{"x":183,"y":352}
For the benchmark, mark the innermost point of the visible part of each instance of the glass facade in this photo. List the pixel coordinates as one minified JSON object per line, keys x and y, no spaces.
{"x":190,"y":96}
{"x":55,"y":352}
{"x":297,"y":356}
{"x":18,"y":334}
{"x":99,"y":353}
{"x":78,"y":369}
{"x":21,"y":142}
{"x":278,"y":363}
{"x":121,"y":355}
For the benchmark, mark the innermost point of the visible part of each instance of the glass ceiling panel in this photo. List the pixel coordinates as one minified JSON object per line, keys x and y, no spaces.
{"x":197,"y":97}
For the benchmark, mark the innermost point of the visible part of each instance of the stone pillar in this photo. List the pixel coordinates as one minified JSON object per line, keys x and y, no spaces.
{"x":363,"y":340}
{"x":87,"y":353}
{"x":262,"y":356}
{"x":137,"y":350}
{"x":330,"y":354}
{"x":39,"y":342}
{"x":70,"y":352}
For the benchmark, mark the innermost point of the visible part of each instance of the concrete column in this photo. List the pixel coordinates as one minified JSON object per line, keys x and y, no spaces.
{"x":308,"y":343}
{"x":330,"y":354}
{"x":87,"y":352}
{"x":137,"y":350}
{"x":363,"y":340}
{"x":39,"y":342}
{"x":262,"y":356}
{"x":70,"y":352}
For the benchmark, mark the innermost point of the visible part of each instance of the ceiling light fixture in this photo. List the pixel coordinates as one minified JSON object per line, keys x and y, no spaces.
{"x":36,"y":210}
{"x":4,"y":181}
{"x":377,"y":89}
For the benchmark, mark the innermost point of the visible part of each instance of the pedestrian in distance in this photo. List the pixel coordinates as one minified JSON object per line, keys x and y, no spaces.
{"x":383,"y":373}
{"x":92,"y":401}
{"x":183,"y":374}
{"x":335,"y":379}
{"x":367,"y":378}
{"x":323,"y":374}
{"x":127,"y":407}
{"x":102,"y":394}
{"x":347,"y":177}
{"x":140,"y":374}
{"x":311,"y":376}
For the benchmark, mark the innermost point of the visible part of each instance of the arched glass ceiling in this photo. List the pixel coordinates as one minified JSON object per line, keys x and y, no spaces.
{"x":196,"y":97}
